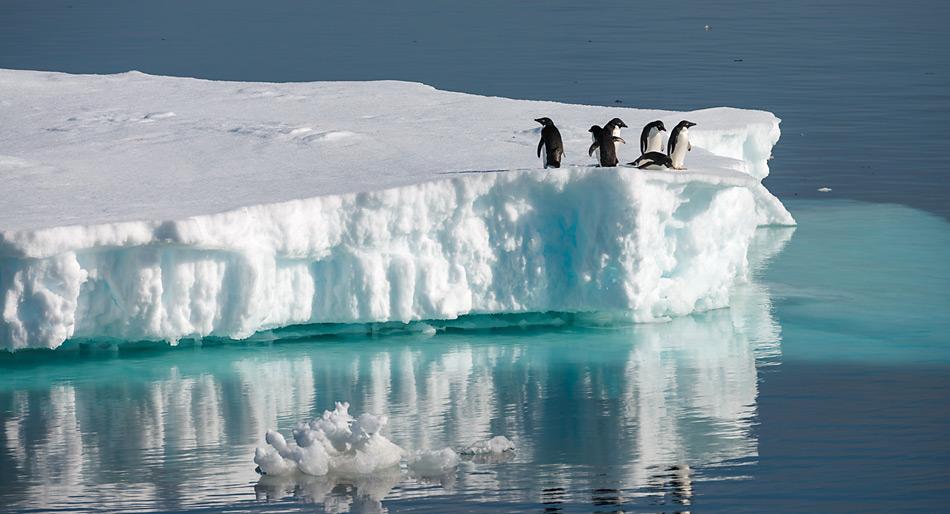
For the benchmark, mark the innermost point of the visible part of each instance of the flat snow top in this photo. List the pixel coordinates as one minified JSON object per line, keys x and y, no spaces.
{"x":90,"y":149}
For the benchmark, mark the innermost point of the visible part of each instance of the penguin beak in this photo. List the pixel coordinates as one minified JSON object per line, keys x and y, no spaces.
{"x":690,"y":124}
{"x":539,"y":120}
{"x":623,"y":125}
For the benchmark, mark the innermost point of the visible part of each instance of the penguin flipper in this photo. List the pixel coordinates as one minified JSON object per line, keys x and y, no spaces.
{"x":619,"y":140}
{"x":593,"y":147}
{"x":540,"y":145}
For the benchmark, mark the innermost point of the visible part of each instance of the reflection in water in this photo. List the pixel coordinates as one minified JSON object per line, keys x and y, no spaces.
{"x":599,"y":416}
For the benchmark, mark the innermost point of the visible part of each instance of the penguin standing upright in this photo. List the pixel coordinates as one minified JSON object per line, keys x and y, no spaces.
{"x":551,"y":144}
{"x":679,"y":144}
{"x":651,"y":139}
{"x":606,"y":142}
{"x":613,"y":128}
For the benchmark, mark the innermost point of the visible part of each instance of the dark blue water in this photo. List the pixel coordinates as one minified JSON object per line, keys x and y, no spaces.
{"x":824,"y":388}
{"x":863,"y":87}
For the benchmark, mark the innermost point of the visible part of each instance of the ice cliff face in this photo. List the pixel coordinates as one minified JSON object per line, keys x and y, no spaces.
{"x":652,"y":245}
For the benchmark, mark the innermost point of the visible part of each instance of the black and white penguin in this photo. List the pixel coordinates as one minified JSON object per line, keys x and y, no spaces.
{"x":613,"y":128}
{"x":651,"y":139}
{"x":679,"y":144}
{"x":606,"y":143}
{"x":551,"y":144}
{"x":653,"y":161}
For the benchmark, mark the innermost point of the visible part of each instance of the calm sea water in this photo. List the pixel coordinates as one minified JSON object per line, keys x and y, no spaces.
{"x":825,"y":387}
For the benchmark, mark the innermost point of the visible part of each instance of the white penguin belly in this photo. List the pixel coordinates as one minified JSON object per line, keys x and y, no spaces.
{"x":679,"y":151}
{"x":593,"y":139}
{"x":544,"y":155}
{"x":655,"y":141}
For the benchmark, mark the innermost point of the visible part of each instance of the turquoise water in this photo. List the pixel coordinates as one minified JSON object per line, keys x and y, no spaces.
{"x":824,"y":386}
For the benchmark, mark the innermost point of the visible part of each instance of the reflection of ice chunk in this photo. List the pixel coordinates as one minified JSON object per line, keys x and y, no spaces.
{"x":497,"y":444}
{"x":428,"y":463}
{"x":357,"y":494}
{"x":335,"y":442}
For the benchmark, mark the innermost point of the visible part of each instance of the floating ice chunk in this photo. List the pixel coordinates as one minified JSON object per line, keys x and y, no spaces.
{"x":310,"y":231}
{"x":824,"y":189}
{"x":431,"y":463}
{"x":334,"y":443}
{"x":497,"y":444}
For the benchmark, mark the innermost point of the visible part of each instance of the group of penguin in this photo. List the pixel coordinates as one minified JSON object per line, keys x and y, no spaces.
{"x":605,"y":139}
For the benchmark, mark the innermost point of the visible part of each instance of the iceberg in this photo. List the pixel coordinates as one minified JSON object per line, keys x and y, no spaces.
{"x":139,"y":207}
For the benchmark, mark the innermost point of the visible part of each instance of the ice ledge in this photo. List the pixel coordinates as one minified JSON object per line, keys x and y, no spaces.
{"x":654,"y":244}
{"x":143,"y":207}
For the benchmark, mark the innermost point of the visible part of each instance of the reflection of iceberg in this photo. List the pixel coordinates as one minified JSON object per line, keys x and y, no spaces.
{"x":640,"y":409}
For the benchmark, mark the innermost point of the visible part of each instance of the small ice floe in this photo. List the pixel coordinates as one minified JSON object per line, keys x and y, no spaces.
{"x":707,"y":28}
{"x":433,"y":463}
{"x":334,"y":443}
{"x":495,"y":445}
{"x":824,"y":189}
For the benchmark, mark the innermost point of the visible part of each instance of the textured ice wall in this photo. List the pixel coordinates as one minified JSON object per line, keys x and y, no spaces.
{"x":656,"y":244}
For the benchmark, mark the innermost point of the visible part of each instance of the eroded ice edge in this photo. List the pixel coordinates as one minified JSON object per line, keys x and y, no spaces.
{"x":153,"y":208}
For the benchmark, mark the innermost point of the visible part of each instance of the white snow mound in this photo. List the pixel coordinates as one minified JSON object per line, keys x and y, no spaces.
{"x":155,"y":208}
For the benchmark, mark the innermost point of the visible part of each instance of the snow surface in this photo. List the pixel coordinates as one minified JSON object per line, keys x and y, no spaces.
{"x":143,"y":207}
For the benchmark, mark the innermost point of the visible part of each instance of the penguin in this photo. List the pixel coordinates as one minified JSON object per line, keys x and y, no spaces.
{"x":606,"y":142}
{"x":650,"y":139}
{"x":679,"y":144}
{"x":551,"y":143}
{"x":613,"y":128}
{"x":653,"y":161}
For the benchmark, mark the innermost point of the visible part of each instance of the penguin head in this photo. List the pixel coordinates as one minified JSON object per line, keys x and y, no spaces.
{"x":616,"y":122}
{"x":546,"y":122}
{"x":659,"y":126}
{"x":594,"y":129}
{"x":686,"y":124}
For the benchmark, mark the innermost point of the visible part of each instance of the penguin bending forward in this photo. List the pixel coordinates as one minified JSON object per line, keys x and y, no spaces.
{"x":551,"y":144}
{"x":651,"y":139}
{"x":653,"y":161}
{"x":606,"y":142}
{"x":679,"y":144}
